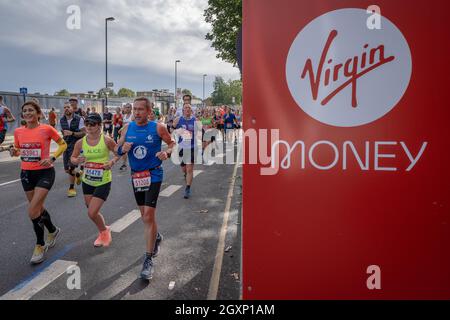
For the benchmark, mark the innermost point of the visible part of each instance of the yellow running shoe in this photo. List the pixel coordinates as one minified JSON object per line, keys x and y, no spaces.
{"x":72,"y":193}
{"x":51,"y":238}
{"x":38,"y":254}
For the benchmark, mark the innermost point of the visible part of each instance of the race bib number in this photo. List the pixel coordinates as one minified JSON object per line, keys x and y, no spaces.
{"x":107,"y":125}
{"x":93,"y":171}
{"x":30,"y":152}
{"x":141,"y":181}
{"x":229,"y":125}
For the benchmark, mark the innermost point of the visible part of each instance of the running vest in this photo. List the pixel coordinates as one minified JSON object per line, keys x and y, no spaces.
{"x":127,"y":120}
{"x":74,"y":126}
{"x":94,"y":174}
{"x":187,"y":140}
{"x":146,"y":143}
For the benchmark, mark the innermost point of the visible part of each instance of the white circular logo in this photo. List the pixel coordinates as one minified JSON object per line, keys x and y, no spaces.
{"x":344,"y":74}
{"x":140,"y":152}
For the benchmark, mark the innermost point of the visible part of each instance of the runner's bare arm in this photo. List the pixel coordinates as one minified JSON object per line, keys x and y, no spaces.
{"x":121,"y":140}
{"x":9,"y":116}
{"x":80,"y":134}
{"x":175,"y":122}
{"x":14,"y":150}
{"x":167,"y":138}
{"x":122,"y":146}
{"x":75,"y":158}
{"x":111,"y":144}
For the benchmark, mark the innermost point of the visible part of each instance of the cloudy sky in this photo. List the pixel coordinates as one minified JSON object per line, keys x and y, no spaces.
{"x":39,"y":52}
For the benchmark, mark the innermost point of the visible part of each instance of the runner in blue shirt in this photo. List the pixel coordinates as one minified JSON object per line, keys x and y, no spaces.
{"x":230,"y":122}
{"x":188,"y":127}
{"x":141,"y":140}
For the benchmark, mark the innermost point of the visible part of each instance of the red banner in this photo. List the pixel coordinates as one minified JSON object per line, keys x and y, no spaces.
{"x":346,"y":174}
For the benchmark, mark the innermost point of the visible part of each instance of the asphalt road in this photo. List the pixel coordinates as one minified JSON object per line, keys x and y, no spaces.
{"x":191,"y":230}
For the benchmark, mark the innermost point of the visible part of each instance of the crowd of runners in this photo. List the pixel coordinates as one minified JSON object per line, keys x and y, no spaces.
{"x":92,"y":144}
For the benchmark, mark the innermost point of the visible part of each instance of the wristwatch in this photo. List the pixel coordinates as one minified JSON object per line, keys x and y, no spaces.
{"x":53,"y":159}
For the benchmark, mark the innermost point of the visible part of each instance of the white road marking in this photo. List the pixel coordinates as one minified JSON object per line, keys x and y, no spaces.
{"x":47,"y":276}
{"x":117,"y":286}
{"x":125,"y":221}
{"x":170,"y":190}
{"x":10,"y":182}
{"x":197,"y":172}
{"x":217,"y":269}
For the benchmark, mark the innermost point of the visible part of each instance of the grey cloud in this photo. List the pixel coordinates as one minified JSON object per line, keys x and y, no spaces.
{"x":148,"y":34}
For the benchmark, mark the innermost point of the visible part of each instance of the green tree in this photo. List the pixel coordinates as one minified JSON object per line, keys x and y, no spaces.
{"x":225,"y":91}
{"x":126,"y":93}
{"x":218,"y":95}
{"x":209,"y":102}
{"x":235,"y":90}
{"x":225,"y":17}
{"x":63,"y":93}
{"x":111,"y":93}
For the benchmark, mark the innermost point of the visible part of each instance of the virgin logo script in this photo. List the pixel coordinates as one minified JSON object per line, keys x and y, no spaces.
{"x":328,"y":72}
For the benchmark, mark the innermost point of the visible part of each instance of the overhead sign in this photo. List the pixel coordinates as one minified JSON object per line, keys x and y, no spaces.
{"x":345,"y":192}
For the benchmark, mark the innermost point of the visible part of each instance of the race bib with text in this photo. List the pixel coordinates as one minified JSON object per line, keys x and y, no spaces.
{"x":30,"y":152}
{"x":93,"y":171}
{"x":141,"y":181}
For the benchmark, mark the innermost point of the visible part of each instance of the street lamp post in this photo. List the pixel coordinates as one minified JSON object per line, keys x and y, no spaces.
{"x":176,"y":96}
{"x":106,"y":58}
{"x":204,"y":90}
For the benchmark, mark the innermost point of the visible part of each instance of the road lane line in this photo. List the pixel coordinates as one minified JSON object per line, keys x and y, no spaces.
{"x":47,"y":276}
{"x":217,"y":269}
{"x":10,"y":182}
{"x":167,"y":192}
{"x":197,"y":172}
{"x":125,"y":221}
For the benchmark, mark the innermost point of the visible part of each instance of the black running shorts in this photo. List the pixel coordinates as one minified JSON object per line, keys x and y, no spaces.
{"x":43,"y":178}
{"x":101,"y":192}
{"x":186,"y":158}
{"x":148,"y":198}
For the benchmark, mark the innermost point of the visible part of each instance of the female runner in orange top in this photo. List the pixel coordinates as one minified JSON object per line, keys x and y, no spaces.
{"x":32,"y":144}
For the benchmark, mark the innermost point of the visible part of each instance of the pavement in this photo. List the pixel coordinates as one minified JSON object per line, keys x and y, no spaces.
{"x":195,"y":261}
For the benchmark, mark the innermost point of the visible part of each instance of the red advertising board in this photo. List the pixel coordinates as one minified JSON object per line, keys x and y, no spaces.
{"x":353,"y":202}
